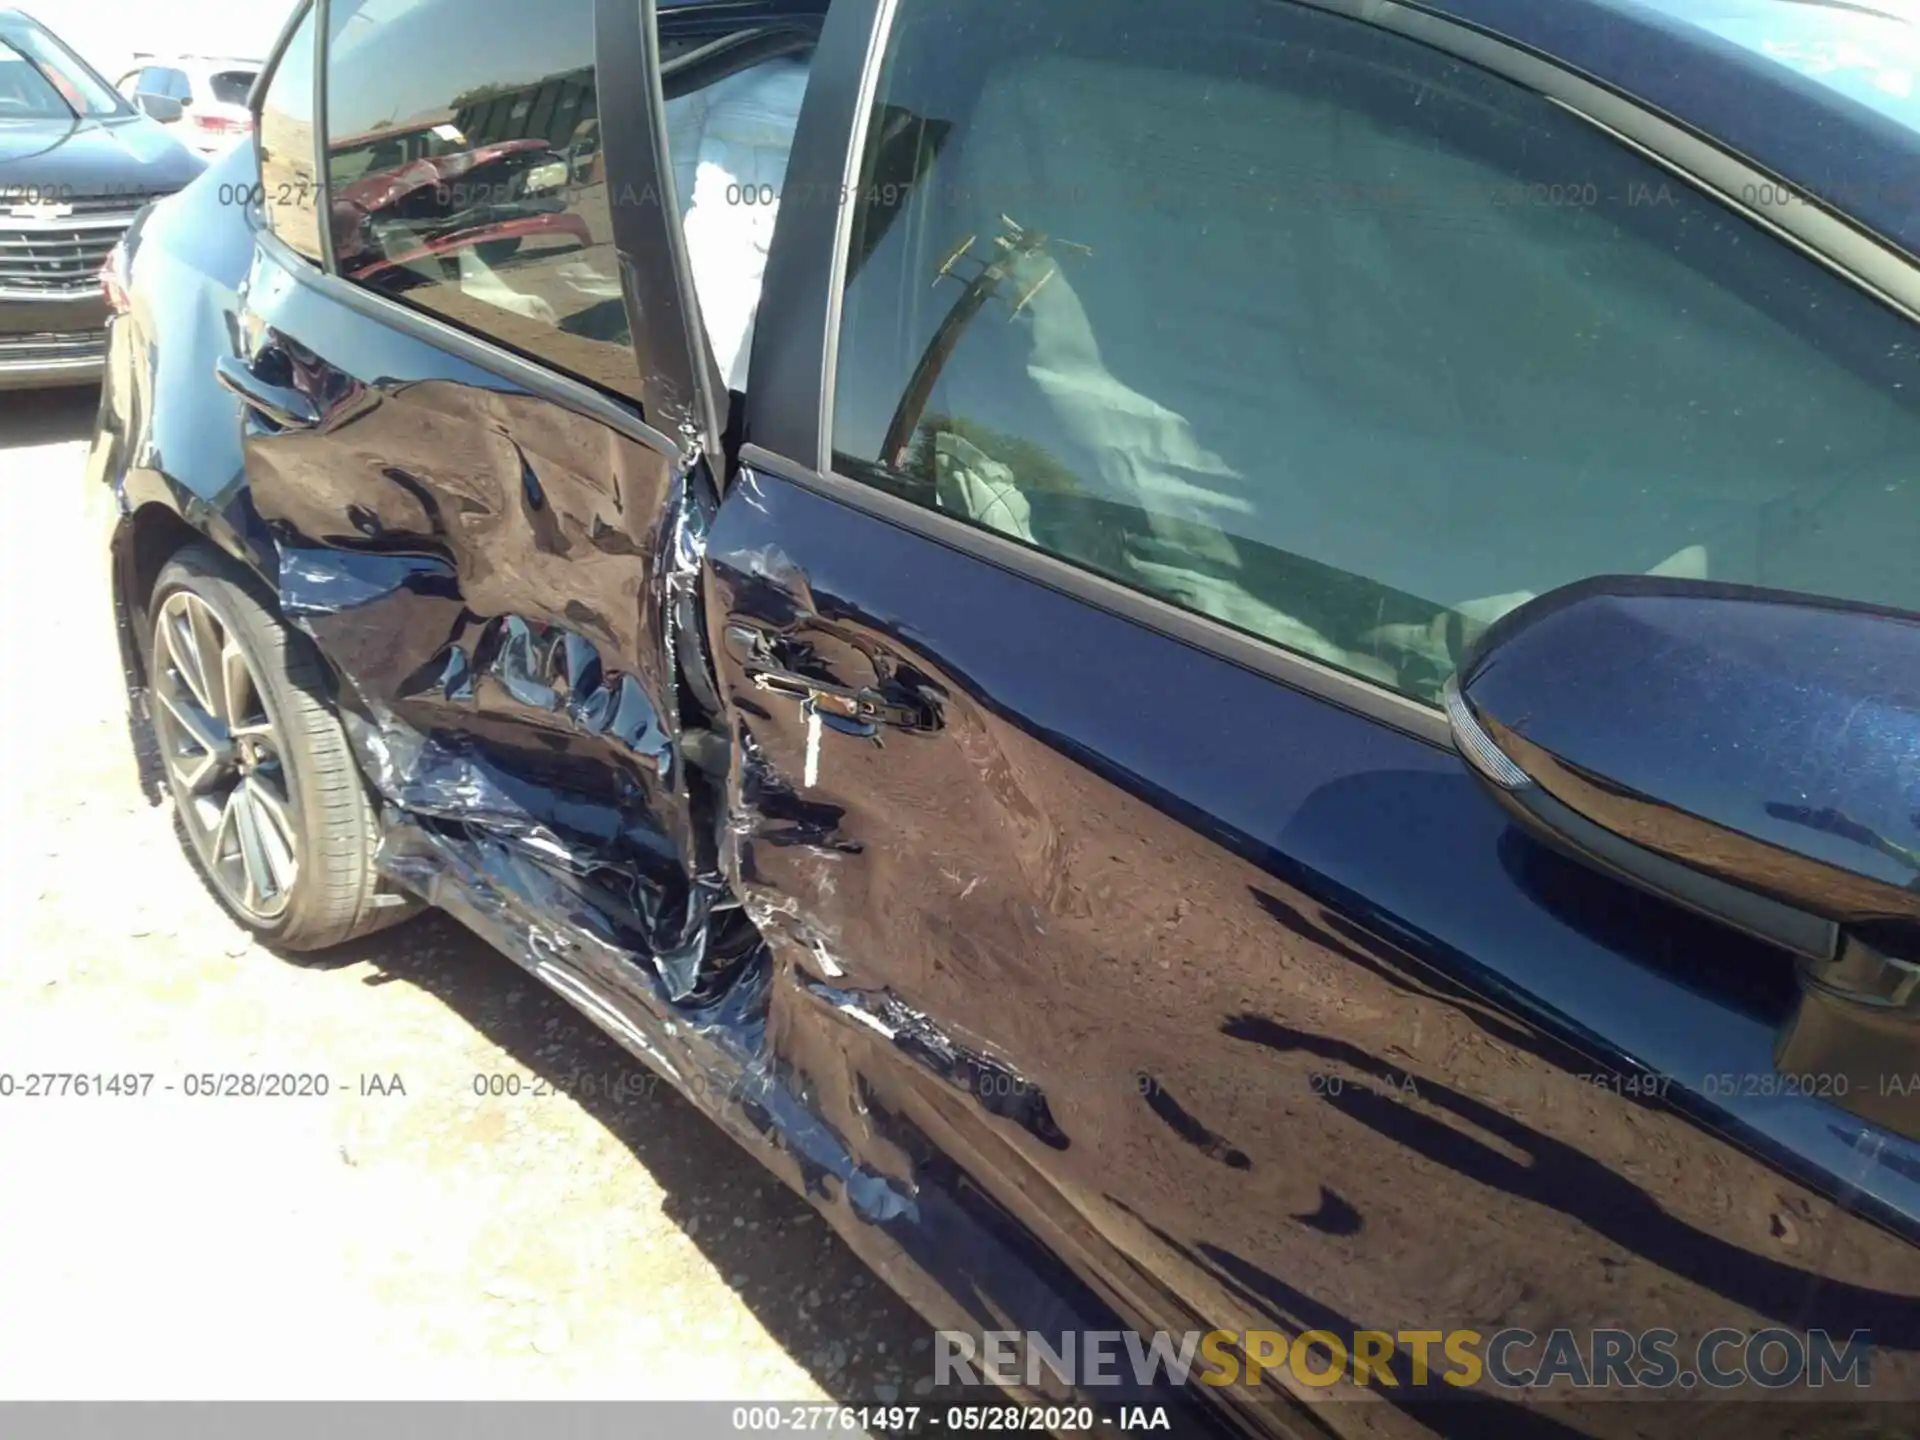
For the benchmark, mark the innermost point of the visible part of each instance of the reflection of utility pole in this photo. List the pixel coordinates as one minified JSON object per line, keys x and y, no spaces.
{"x":1014,"y":246}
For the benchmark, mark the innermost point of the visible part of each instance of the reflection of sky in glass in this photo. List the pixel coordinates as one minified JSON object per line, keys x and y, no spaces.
{"x":421,"y":54}
{"x":1871,"y":58}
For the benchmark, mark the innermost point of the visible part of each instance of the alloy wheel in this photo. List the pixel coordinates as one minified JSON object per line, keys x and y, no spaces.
{"x":225,"y":758}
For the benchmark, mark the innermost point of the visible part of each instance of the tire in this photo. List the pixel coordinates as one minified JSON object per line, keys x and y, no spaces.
{"x":264,"y":783}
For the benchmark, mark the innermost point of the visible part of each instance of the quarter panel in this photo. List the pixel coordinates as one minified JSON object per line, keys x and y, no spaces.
{"x":170,"y":437}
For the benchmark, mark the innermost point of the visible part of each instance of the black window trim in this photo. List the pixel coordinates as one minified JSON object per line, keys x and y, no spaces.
{"x":322,"y":172}
{"x":843,"y":224}
{"x":793,"y":335}
{"x":796,"y":309}
{"x":679,"y":381}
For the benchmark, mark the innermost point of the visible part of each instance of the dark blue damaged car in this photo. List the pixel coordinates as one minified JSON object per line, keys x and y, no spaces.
{"x":1244,"y":666}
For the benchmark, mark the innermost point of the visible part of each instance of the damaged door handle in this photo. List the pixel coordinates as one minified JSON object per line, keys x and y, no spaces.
{"x":284,"y":406}
{"x":867,"y":705}
{"x":862,"y":707}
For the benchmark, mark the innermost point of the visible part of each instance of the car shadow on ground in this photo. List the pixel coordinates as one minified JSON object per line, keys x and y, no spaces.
{"x":48,"y":417}
{"x":815,"y":1298}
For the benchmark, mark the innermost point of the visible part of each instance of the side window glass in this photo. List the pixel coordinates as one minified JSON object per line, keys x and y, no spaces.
{"x":1308,"y":328}
{"x":732,"y":92}
{"x":289,"y":180}
{"x":465,"y":173}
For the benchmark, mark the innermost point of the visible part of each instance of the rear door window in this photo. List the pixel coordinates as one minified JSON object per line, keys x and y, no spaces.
{"x":461,"y":142}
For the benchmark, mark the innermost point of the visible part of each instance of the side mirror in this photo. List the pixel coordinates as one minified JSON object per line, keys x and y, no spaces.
{"x":1753,"y":755}
{"x":159,"y":107}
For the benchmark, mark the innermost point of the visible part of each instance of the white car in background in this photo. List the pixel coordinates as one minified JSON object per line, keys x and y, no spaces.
{"x":202,"y":99}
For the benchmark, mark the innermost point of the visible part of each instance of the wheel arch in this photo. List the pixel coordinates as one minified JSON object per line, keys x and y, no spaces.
{"x":146,"y":540}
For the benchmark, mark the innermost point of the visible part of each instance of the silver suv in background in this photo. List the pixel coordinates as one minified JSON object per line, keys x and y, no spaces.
{"x":202,"y":99}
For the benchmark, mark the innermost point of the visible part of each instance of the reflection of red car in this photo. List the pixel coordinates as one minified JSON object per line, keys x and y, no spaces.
{"x":513,"y":231}
{"x":382,"y":191}
{"x":446,"y":203}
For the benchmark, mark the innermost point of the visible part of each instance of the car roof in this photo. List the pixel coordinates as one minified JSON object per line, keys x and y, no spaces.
{"x":1868,"y":50}
{"x":1824,"y":94}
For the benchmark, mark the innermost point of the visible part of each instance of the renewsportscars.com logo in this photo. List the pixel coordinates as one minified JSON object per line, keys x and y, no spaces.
{"x":1511,"y":1359}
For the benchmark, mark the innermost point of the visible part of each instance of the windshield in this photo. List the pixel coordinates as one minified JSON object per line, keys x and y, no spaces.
{"x":40,"y":79}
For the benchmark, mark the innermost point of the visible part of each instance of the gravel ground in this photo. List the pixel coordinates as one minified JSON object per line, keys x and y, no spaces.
{"x":403,"y":1236}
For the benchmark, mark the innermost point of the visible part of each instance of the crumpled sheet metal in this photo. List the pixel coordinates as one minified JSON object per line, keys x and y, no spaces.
{"x":554,"y":923}
{"x":498,"y":572}
{"x":548,"y":669}
{"x":996,"y":1087}
{"x":548,"y":802}
{"x":919,"y":1102}
{"x":537,"y":667}
{"x":926,"y":1229}
{"x":622,"y":869}
{"x":579,"y":885}
{"x":584,"y":890}
{"x":677,"y":578}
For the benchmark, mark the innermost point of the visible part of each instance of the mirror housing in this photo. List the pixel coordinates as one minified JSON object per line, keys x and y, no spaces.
{"x":1751,"y":754}
{"x":162,"y":108}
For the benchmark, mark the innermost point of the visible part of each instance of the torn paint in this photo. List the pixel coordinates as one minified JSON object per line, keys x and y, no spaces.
{"x":810,"y":775}
{"x":558,"y":925}
{"x":996,"y":1087}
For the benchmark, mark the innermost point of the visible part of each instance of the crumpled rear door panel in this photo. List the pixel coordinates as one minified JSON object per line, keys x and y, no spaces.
{"x":487,"y":569}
